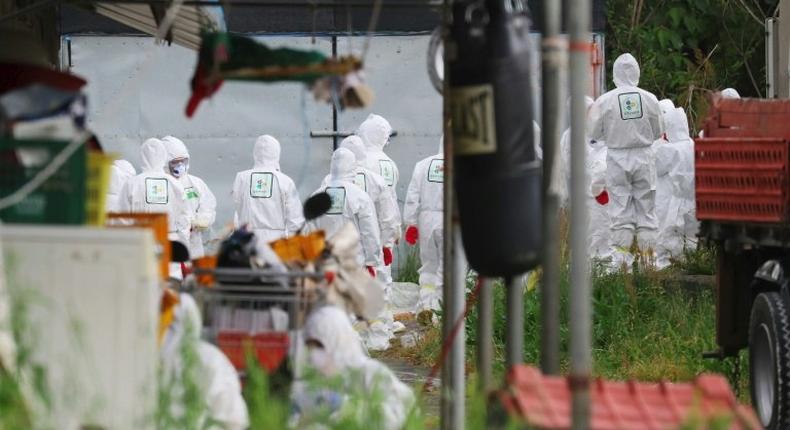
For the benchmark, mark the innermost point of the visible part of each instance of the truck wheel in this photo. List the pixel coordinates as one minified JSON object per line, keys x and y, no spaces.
{"x":769,"y":360}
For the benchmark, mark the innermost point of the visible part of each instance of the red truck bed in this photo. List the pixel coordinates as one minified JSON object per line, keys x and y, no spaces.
{"x":742,"y":164}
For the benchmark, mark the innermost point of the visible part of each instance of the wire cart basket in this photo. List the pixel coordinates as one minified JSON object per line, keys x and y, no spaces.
{"x":256,"y":311}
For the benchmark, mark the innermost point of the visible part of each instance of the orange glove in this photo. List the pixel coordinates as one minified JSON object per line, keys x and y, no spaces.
{"x":412,"y":234}
{"x":372,"y":271}
{"x":387,"y":256}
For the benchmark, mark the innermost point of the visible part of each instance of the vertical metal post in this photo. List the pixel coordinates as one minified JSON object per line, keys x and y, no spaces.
{"x":334,"y":107}
{"x":579,"y":16}
{"x":514,"y":349}
{"x":485,"y":334}
{"x":552,"y":60}
{"x":453,"y":382}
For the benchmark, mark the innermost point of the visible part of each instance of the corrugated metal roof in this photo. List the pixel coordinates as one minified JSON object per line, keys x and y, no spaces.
{"x":544,"y":402}
{"x":185,"y":30}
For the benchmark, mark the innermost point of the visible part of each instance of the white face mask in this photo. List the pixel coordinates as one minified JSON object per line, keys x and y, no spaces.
{"x":320,"y":360}
{"x":178,"y":169}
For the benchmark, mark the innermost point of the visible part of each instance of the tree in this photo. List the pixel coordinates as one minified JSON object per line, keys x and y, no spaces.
{"x":689,"y":48}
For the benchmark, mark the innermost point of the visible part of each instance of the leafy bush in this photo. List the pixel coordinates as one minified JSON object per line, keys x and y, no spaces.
{"x":687,"y":48}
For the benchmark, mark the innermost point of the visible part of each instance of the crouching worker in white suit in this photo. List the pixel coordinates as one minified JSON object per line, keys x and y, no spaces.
{"x":348,"y":384}
{"x":218,"y":382}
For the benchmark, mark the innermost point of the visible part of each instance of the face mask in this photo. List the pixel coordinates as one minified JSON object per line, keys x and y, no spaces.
{"x":178,"y":169}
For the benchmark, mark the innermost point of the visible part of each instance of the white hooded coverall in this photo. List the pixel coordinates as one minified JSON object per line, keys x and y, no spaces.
{"x":265,"y":198}
{"x":201,"y":201}
{"x":350,"y":204}
{"x":218,"y":379}
{"x":374,"y":185}
{"x":628,"y":119}
{"x":120,"y":172}
{"x":675,"y":207}
{"x":341,"y":354}
{"x":423,"y":209}
{"x":154,"y":191}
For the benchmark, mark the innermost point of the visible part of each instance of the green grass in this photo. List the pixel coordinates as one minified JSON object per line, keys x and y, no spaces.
{"x":643,"y":328}
{"x":409,"y":265}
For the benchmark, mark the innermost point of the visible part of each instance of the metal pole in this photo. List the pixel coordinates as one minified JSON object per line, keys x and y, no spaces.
{"x":514,"y":349}
{"x":552,"y":58}
{"x":580,"y":300}
{"x":334,"y":107}
{"x":453,"y":382}
{"x":485,"y":335}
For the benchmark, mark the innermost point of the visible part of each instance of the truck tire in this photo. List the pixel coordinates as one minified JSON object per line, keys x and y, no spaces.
{"x":769,"y":360}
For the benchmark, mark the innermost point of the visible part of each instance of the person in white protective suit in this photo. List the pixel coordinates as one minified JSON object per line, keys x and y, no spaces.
{"x":201,"y":201}
{"x":154,"y":191}
{"x":628,"y":119}
{"x":120,"y":172}
{"x":218,"y":380}
{"x":350,"y":204}
{"x":598,"y":202}
{"x":675,"y":208}
{"x":265,"y":199}
{"x":562,"y":170}
{"x":730,"y":93}
{"x":383,"y":198}
{"x":423,"y":216}
{"x":375,"y":133}
{"x":370,"y":392}
{"x":666,"y":106}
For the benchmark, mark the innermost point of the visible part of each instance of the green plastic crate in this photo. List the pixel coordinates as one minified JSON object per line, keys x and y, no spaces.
{"x":60,"y":199}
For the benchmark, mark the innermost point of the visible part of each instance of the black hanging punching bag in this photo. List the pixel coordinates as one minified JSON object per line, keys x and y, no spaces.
{"x":497,"y":173}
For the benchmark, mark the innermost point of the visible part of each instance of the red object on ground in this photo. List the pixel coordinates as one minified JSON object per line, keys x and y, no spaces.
{"x":387,"y":256}
{"x":603,"y":198}
{"x":544,"y":402}
{"x":412,"y":234}
{"x":371,"y":270}
{"x":269,"y":348}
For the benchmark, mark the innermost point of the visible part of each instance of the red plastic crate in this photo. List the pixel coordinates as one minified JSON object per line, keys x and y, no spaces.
{"x":742,"y":179}
{"x":270,"y":348}
{"x":544,"y":402}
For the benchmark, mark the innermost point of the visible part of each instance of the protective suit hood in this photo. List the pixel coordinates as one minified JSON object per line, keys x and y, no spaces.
{"x":331,"y":327}
{"x":677,"y":126}
{"x":121,"y":171}
{"x":355,"y":145}
{"x":266,"y":153}
{"x":375,"y":132}
{"x":153,"y":156}
{"x":626,"y":71}
{"x":175,"y":148}
{"x":666,"y":106}
{"x":343,"y":165}
{"x":730,"y":93}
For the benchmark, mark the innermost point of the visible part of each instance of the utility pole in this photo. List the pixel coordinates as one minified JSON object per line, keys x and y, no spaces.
{"x":580,"y":300}
{"x":553,"y":56}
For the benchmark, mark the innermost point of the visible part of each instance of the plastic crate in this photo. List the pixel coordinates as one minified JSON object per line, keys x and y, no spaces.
{"x":269,"y":348}
{"x":742,"y":179}
{"x":98,"y":185}
{"x":60,"y":199}
{"x":544,"y":402}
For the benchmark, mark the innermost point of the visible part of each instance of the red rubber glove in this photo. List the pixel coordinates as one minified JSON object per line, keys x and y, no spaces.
{"x":387,"y":256}
{"x":372,"y":271}
{"x":602,"y":198}
{"x":412,"y":234}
